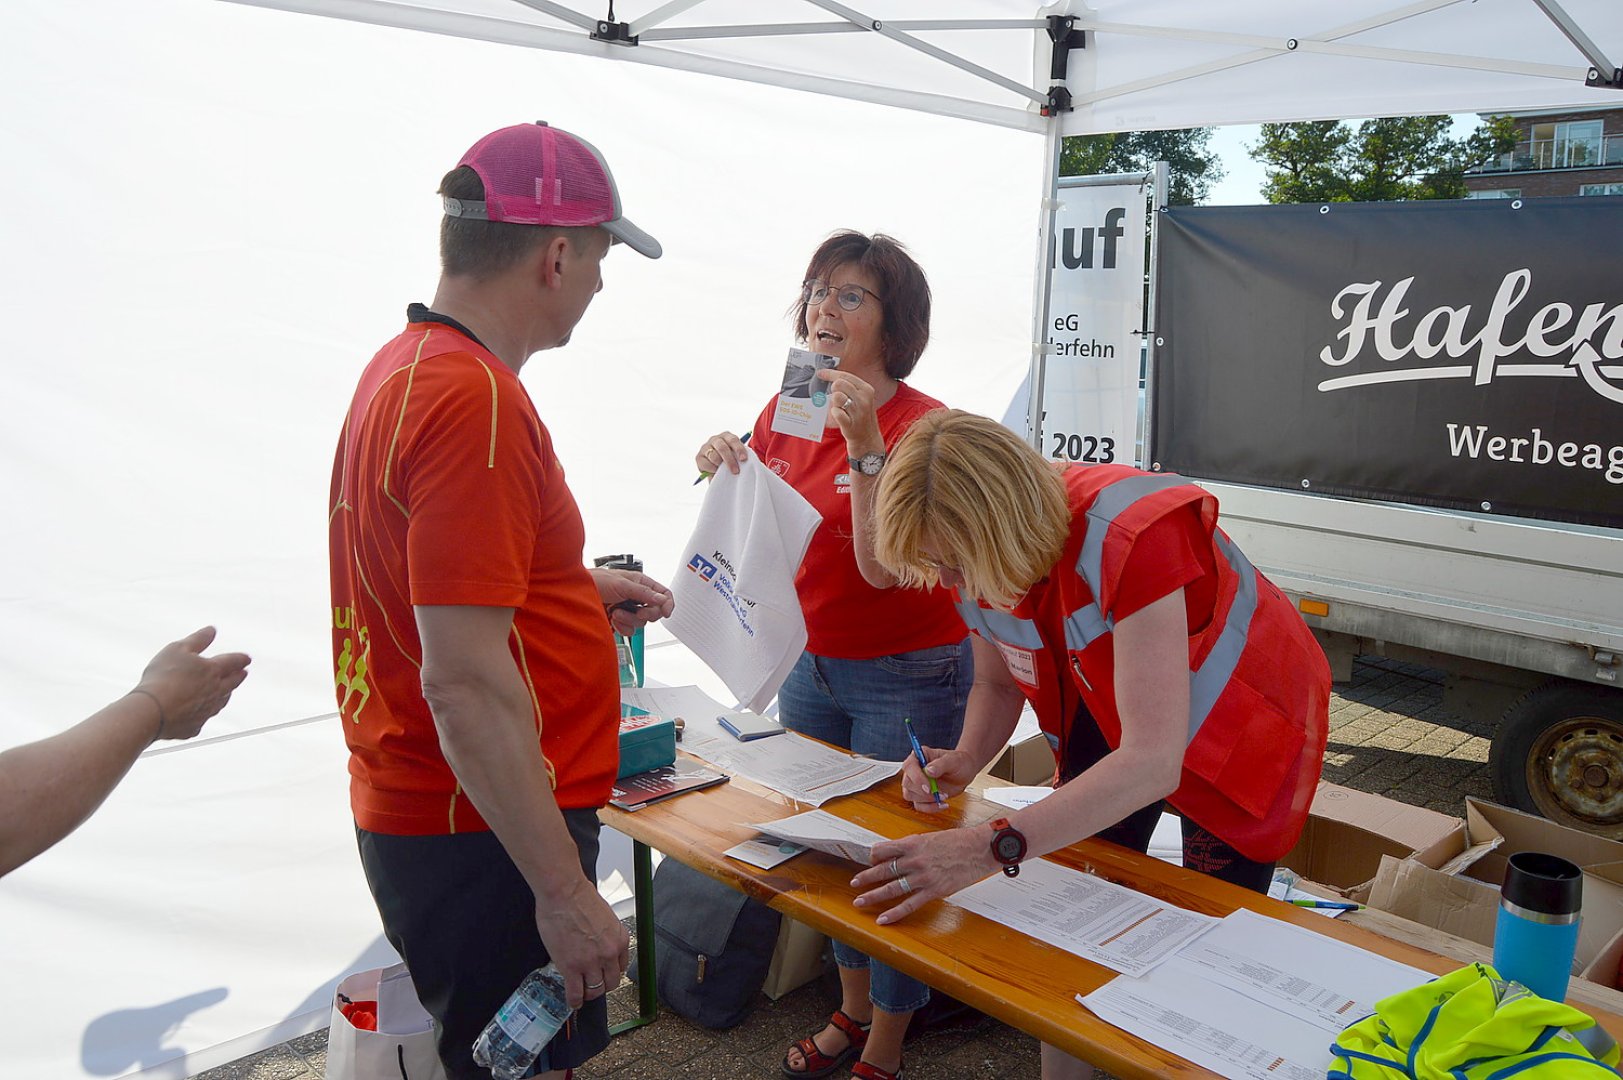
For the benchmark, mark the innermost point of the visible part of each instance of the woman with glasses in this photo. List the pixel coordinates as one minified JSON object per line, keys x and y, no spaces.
{"x":876,"y":654}
{"x":1161,"y":664}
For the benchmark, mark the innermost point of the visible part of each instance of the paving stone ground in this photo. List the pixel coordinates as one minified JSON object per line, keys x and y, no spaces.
{"x":1388,"y":735}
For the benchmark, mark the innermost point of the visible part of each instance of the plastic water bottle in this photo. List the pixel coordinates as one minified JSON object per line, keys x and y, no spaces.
{"x":524,"y":1025}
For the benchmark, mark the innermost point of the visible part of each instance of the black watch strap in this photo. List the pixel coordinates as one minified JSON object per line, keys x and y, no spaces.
{"x":1008,"y":846}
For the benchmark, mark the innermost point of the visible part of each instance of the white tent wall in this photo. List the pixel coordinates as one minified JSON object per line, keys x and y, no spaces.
{"x":213,"y":216}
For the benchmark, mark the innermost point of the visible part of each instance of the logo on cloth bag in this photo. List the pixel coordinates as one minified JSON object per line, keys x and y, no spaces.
{"x":702,"y":566}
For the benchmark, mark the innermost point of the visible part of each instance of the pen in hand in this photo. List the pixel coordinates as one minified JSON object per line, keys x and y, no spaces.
{"x":935,"y":789}
{"x":744,"y":438}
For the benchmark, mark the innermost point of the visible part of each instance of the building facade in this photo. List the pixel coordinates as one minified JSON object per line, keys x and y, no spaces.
{"x":1558,"y":152}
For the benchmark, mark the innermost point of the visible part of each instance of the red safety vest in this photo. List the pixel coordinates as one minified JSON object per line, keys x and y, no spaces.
{"x":1259,"y":685}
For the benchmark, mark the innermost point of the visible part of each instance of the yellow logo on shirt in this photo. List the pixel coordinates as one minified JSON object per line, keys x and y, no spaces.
{"x":352,"y":668}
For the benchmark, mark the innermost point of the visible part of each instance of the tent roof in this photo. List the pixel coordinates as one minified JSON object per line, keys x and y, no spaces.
{"x":1145,"y":64}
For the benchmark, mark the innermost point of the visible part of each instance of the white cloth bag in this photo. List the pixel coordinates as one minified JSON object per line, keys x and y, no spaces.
{"x":403,"y":1046}
{"x":736,"y":605}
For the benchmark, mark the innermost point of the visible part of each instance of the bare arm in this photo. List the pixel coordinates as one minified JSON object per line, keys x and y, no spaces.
{"x":990,"y":715}
{"x":854,"y":414}
{"x":488,"y":733}
{"x":1151,"y":648}
{"x":50,"y":787}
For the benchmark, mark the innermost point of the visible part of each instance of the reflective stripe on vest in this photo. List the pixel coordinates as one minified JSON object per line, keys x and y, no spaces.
{"x":1207,"y":684}
{"x":1088,"y":623}
{"x":1000,"y":626}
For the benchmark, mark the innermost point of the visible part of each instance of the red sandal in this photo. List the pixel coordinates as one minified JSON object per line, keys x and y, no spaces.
{"x":818,"y":1064}
{"x":863,"y":1071}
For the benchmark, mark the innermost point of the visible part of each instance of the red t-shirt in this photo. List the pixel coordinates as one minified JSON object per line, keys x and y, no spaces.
{"x":446,"y":490}
{"x":846,"y":618}
{"x":1171,"y":553}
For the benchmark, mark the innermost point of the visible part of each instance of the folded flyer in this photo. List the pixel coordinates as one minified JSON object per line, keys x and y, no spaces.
{"x":802,"y":408}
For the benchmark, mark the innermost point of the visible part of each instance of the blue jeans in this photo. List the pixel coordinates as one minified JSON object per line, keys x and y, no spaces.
{"x":859,"y":704}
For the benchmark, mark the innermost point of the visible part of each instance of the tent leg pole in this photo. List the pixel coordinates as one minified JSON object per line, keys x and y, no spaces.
{"x":1042,"y":280}
{"x":642,"y":877}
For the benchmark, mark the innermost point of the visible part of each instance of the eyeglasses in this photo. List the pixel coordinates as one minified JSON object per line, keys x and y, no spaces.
{"x":849,"y":297}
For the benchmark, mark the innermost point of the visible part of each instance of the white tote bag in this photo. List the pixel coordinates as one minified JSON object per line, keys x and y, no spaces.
{"x":403,"y":1046}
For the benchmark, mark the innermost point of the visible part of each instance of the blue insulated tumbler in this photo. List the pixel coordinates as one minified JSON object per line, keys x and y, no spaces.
{"x":1537,"y":932}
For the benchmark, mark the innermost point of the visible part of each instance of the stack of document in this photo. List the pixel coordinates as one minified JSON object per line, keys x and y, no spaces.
{"x":801,"y":768}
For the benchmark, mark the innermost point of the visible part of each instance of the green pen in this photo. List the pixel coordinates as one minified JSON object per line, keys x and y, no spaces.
{"x":935,"y":789}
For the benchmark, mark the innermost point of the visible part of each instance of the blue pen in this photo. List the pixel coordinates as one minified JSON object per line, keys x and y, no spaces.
{"x":1332,"y":905}
{"x":744,"y":438}
{"x":935,"y":789}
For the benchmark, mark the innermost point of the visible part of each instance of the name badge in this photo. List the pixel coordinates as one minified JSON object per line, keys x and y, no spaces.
{"x":1022,"y":663}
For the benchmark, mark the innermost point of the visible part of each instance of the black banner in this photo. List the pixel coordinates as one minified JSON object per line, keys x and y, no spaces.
{"x":1458,"y":354}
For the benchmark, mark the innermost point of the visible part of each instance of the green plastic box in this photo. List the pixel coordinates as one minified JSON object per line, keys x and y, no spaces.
{"x":647,"y":741}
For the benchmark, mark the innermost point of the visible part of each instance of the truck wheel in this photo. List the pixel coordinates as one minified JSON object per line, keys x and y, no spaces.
{"x":1559,"y":752}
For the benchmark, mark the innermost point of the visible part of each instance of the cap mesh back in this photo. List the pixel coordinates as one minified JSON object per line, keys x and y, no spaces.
{"x":538,"y":175}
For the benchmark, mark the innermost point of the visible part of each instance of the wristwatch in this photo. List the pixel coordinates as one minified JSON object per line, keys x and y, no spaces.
{"x":1008,"y":846}
{"x":868,"y":464}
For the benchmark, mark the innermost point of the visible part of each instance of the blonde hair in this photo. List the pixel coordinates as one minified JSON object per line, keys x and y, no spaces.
{"x":982,"y":500}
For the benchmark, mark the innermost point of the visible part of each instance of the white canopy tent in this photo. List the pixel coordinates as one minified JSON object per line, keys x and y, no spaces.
{"x":1137,"y":64}
{"x":213,"y":216}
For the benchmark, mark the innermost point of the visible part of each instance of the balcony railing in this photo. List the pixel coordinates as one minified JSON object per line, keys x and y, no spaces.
{"x":1558,"y":154}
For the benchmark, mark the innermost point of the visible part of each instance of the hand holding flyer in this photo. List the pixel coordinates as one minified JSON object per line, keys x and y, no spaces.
{"x":802,"y":407}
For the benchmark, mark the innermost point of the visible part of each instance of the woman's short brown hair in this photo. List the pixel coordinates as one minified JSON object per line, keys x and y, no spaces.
{"x":975,"y":496}
{"x":903,"y":289}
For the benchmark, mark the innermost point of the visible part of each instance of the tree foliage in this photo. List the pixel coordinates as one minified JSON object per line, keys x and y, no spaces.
{"x":1191,"y":166}
{"x":1408,"y":157}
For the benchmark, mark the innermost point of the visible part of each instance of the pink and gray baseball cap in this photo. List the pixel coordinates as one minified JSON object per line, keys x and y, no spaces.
{"x":540,"y":175}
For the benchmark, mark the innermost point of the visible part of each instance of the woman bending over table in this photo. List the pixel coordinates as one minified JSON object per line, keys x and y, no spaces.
{"x":1161,"y":664}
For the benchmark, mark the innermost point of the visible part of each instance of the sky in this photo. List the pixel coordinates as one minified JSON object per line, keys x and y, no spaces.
{"x":1243,"y":177}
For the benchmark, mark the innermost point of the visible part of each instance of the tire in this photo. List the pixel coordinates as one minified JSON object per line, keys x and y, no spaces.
{"x":1559,"y":753}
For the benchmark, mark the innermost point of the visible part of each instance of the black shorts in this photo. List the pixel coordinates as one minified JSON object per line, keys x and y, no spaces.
{"x":461,"y":916}
{"x":1202,"y":849}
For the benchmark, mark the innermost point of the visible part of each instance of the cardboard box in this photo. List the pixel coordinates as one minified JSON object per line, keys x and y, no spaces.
{"x":796,"y":961}
{"x":1349,"y":831}
{"x":1030,"y":761}
{"x":1457,"y":890}
{"x":1607,"y":967}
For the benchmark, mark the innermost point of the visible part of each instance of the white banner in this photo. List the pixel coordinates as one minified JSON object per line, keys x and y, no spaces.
{"x":1095,"y":310}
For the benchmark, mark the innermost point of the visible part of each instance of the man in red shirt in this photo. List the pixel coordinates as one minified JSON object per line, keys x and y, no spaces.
{"x":473,"y":652}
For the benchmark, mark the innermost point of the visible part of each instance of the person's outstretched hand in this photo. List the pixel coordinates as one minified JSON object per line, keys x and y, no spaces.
{"x":190,"y":687}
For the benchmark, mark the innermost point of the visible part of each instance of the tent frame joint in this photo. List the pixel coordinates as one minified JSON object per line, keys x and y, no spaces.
{"x":1600,"y":82}
{"x":1063,"y":33}
{"x":615,"y":33}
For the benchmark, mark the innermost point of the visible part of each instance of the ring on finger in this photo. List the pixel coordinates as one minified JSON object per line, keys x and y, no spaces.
{"x":594,"y":986}
{"x":902,"y":881}
{"x":895,"y":871}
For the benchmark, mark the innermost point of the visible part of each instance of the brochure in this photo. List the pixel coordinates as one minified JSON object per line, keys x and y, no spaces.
{"x":802,"y":409}
{"x":646,"y":788}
